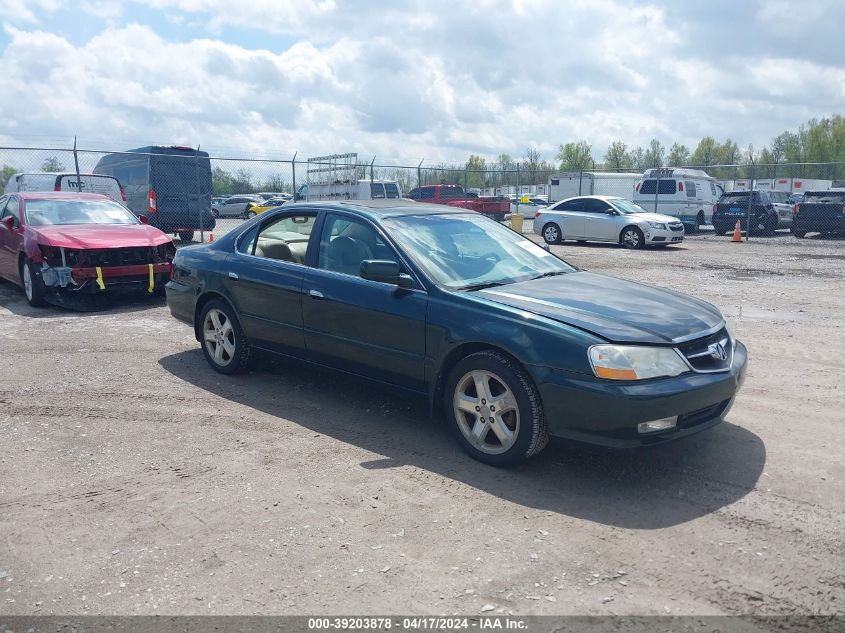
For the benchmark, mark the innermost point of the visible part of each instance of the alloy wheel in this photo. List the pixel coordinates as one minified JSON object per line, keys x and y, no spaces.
{"x":486,"y":411}
{"x":550,"y":234}
{"x":219,"y":337}
{"x":631,"y":238}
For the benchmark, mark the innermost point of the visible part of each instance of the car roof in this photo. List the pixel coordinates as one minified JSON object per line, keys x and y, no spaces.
{"x":595,"y":197}
{"x":59,"y":195}
{"x":381,"y":208}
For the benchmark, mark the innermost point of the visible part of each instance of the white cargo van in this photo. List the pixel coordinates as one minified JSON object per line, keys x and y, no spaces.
{"x":49,"y":181}
{"x":686,"y":194}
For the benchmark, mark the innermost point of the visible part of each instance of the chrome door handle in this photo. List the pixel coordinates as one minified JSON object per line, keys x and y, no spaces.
{"x":233,"y":276}
{"x":316,"y":294}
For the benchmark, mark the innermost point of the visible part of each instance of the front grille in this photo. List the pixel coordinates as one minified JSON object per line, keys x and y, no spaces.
{"x":704,"y":354}
{"x":120,"y":256}
{"x":677,"y":227}
{"x":701,"y":415}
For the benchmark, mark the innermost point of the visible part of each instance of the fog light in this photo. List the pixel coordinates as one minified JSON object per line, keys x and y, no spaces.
{"x":658,"y":425}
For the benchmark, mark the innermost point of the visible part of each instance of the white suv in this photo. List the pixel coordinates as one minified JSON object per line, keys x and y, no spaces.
{"x":606,"y":219}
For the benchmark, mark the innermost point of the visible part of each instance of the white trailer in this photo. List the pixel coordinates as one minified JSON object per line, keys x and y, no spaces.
{"x":590,"y":183}
{"x":363,"y":189}
{"x":789,"y":185}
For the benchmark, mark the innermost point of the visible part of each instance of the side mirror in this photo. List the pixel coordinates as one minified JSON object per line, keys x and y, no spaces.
{"x":385,"y":271}
{"x":9,"y":222}
{"x":611,"y":211}
{"x":143,"y":219}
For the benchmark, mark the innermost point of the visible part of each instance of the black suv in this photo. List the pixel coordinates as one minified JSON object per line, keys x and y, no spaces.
{"x":820,"y":211}
{"x":768,"y":212}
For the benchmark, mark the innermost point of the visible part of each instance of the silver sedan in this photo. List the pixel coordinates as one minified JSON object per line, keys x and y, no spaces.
{"x":606,"y":219}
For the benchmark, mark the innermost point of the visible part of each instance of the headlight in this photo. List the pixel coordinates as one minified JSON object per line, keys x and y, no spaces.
{"x":631,"y":362}
{"x":657,"y":225}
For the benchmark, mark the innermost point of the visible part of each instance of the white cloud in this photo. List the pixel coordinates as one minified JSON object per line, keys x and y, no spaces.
{"x":421,"y":79}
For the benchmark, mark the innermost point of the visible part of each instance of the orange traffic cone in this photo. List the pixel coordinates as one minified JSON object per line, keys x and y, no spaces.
{"x":737,"y":237}
{"x":211,"y":236}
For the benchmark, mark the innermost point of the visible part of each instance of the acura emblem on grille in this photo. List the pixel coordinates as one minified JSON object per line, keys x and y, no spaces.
{"x":717,"y":351}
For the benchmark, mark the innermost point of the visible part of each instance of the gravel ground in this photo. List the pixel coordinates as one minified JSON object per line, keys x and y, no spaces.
{"x":134,"y":480}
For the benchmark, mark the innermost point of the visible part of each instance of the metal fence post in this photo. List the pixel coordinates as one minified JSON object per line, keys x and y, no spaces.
{"x":199,"y":194}
{"x":580,"y":180}
{"x":293,"y":175}
{"x":750,"y":200}
{"x":76,"y":162}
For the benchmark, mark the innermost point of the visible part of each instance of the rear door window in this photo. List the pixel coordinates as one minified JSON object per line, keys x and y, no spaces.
{"x":689,"y":186}
{"x":376,"y":190}
{"x":426,"y":193}
{"x":392,"y":190}
{"x":667,"y":186}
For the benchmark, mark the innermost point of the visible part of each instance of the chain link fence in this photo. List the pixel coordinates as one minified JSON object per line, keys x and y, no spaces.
{"x":190,"y":194}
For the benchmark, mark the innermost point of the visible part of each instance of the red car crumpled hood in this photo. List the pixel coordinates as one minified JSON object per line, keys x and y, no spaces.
{"x":85,"y":236}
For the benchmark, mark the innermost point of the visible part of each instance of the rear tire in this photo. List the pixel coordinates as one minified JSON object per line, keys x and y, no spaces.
{"x":719,"y":230}
{"x":518,"y":430}
{"x":215,"y":213}
{"x":186,"y":236}
{"x":552,"y":233}
{"x":33,"y":285}
{"x":798,"y":233}
{"x":223,"y":341}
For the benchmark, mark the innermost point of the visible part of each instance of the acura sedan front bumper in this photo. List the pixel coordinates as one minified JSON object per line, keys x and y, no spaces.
{"x":612,"y":413}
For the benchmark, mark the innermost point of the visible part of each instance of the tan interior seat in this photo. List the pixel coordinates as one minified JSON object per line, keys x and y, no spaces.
{"x":274,"y":249}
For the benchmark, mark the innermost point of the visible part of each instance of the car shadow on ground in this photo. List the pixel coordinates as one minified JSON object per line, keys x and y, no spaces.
{"x":12,"y":299}
{"x":649,"y":489}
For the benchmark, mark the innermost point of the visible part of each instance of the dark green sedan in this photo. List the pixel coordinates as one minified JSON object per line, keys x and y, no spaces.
{"x":510,"y":342}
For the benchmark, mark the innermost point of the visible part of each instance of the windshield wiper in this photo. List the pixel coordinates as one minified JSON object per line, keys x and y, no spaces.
{"x":483,"y":285}
{"x":552,"y":273}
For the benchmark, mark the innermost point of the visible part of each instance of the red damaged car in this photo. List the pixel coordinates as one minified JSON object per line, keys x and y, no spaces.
{"x":69,"y":248}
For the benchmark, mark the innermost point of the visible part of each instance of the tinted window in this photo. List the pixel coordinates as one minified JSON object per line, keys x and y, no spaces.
{"x":734,"y":197}
{"x":689,"y":187}
{"x":648,"y":186}
{"x":346,"y":242}
{"x":286,"y":238}
{"x":426,"y":193}
{"x":414,"y":194}
{"x":665,"y":187}
{"x":572,"y":205}
{"x":452,"y":193}
{"x":391,"y":189}
{"x":824,"y":197}
{"x":376,"y":190}
{"x":555,"y":181}
{"x":591,"y":205}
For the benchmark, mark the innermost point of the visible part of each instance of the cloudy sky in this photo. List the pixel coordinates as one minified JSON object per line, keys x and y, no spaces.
{"x":408,"y":80}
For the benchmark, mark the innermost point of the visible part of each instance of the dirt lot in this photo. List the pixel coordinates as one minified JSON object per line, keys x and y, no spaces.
{"x":134,"y":480}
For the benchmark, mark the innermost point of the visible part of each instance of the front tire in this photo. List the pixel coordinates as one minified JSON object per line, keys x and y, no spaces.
{"x":33,"y":285}
{"x":632,"y":237}
{"x":495,"y":410}
{"x":223,"y":342}
{"x":798,"y":232}
{"x":552,"y":233}
{"x":186,"y":236}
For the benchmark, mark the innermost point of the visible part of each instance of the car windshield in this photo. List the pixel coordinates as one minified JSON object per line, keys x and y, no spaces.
{"x":42,"y":212}
{"x":463,"y":251}
{"x":626,"y":207}
{"x":452,"y":193}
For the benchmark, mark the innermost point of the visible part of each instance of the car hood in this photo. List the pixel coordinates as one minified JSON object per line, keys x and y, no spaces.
{"x":82,"y":236}
{"x":650,"y":217}
{"x":614,"y":309}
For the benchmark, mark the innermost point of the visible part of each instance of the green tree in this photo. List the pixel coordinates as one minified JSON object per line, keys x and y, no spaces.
{"x":476,"y":171}
{"x":705,"y":152}
{"x":638,"y":158}
{"x":221,"y":182}
{"x":678,"y":156}
{"x":7,"y":172}
{"x":655,"y":154}
{"x":52,"y":164}
{"x":575,"y":156}
{"x":617,"y":156}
